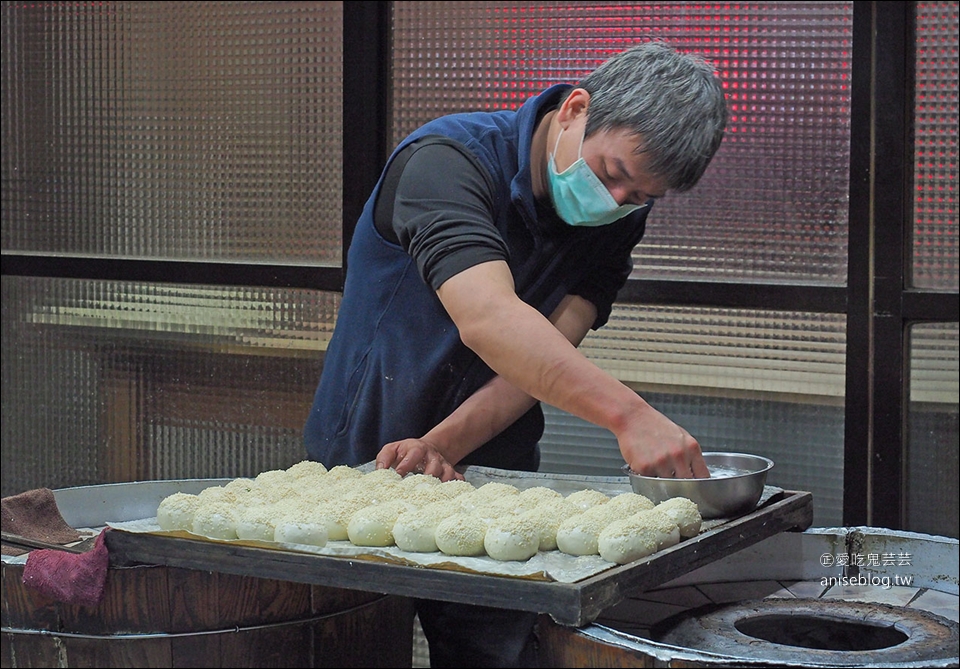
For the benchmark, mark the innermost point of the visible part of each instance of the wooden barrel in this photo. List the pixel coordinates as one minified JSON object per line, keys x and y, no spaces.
{"x":562,"y":646}
{"x":155,"y":616}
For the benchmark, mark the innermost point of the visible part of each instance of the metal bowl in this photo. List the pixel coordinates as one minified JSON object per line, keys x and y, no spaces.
{"x":734,"y":490}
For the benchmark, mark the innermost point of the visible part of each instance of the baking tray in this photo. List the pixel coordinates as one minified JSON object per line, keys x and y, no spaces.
{"x":572,"y":604}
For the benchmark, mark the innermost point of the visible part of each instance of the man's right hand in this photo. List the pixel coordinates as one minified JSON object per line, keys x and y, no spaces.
{"x":653,"y":445}
{"x":416,"y":456}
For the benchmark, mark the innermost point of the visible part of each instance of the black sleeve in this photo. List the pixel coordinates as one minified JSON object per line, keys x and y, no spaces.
{"x":601,"y":288}
{"x":610,"y":269}
{"x":443,"y":210}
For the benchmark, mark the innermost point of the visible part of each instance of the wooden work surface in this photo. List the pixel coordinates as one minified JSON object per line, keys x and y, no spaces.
{"x":572,"y":604}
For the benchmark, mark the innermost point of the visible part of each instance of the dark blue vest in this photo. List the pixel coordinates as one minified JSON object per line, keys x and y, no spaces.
{"x":395,"y":365}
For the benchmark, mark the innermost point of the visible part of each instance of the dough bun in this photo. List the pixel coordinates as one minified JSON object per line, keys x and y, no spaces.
{"x":626,"y":540}
{"x":512,"y":538}
{"x":685,"y":514}
{"x":176,"y":512}
{"x":461,"y":534}
{"x":298,"y":530}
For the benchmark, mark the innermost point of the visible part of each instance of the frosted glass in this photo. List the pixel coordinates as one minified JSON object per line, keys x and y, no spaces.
{"x":932,"y":471}
{"x":773,"y":204}
{"x":936,"y":213}
{"x":121,"y":381}
{"x":784,"y":353}
{"x":173,"y":130}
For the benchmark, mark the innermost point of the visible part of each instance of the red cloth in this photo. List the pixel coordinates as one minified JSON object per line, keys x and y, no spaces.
{"x":74,"y":578}
{"x":34,"y":514}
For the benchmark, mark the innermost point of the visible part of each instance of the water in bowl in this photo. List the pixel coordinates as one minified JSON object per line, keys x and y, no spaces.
{"x":721,"y":472}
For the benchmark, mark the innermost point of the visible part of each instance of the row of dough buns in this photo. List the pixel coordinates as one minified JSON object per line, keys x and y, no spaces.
{"x":308,"y":504}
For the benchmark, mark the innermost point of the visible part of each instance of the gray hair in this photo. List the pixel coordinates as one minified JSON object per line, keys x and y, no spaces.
{"x":673,"y":101}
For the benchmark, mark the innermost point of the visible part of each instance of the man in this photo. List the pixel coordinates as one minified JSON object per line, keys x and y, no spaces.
{"x":491,"y":244}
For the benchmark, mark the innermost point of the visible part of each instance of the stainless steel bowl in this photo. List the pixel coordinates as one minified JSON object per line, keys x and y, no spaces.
{"x":734,"y":491}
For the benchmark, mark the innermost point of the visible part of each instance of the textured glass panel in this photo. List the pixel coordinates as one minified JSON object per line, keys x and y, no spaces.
{"x":773,"y":204}
{"x":933,"y":504}
{"x":120,"y":381}
{"x":173,"y":130}
{"x":936,"y":212}
{"x":770,"y":383}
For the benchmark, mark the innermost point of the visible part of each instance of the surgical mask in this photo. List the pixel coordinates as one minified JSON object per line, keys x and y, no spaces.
{"x":579,"y":196}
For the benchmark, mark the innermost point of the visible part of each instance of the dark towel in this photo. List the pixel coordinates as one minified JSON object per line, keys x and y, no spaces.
{"x":74,"y":578}
{"x":34,"y":515}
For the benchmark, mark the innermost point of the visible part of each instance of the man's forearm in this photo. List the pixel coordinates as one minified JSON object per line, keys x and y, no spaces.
{"x":484,"y":415}
{"x":520,"y":345}
{"x":499,"y":403}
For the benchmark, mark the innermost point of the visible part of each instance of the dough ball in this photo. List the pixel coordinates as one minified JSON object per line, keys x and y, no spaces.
{"x":342,"y":472}
{"x":259,"y":496}
{"x":469,"y":502}
{"x":381,"y":485}
{"x":420,"y":496}
{"x":547,"y":516}
{"x":308,"y":469}
{"x":665,"y":531}
{"x":339,"y":489}
{"x":559,"y":507}
{"x":274,"y":485}
{"x":218,"y":493}
{"x":684,"y":513}
{"x":539,"y":494}
{"x":491,"y":509}
{"x":295,"y":529}
{"x":385,"y":491}
{"x":273,"y":495}
{"x":241,"y":486}
{"x":337,"y":513}
{"x":440,"y":508}
{"x":629,"y":503}
{"x":454,"y":488}
{"x":461,"y":534}
{"x":415,"y":530}
{"x":273,"y":477}
{"x":256,"y":523}
{"x":300,"y":523}
{"x":317,"y":495}
{"x":626,"y":540}
{"x":378,"y":476}
{"x":176,"y":511}
{"x":586,"y":498}
{"x":578,"y":535}
{"x":486,"y":496}
{"x":512,"y":538}
{"x":215,"y":519}
{"x":373,"y":525}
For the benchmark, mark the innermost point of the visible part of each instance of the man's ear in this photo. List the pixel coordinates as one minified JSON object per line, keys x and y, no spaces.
{"x":574,"y":106}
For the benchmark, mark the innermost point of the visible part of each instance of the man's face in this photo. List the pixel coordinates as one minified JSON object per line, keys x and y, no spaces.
{"x":612,"y":156}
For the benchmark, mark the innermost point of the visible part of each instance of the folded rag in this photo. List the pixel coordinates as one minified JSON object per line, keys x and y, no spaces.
{"x":34,"y":514}
{"x":74,"y":578}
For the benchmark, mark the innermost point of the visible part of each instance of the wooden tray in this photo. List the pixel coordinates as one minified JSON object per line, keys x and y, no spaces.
{"x":572,"y":604}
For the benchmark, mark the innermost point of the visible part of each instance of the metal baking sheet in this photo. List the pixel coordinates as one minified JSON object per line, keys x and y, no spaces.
{"x":569,"y":603}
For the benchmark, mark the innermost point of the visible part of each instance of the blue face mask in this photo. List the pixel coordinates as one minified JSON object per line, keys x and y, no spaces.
{"x":579,"y":197}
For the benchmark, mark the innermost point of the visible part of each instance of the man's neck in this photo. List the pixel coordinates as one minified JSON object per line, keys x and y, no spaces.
{"x":538,"y":156}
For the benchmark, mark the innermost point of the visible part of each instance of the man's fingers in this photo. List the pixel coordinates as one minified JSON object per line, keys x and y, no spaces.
{"x":387,"y":456}
{"x":700,"y":470}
